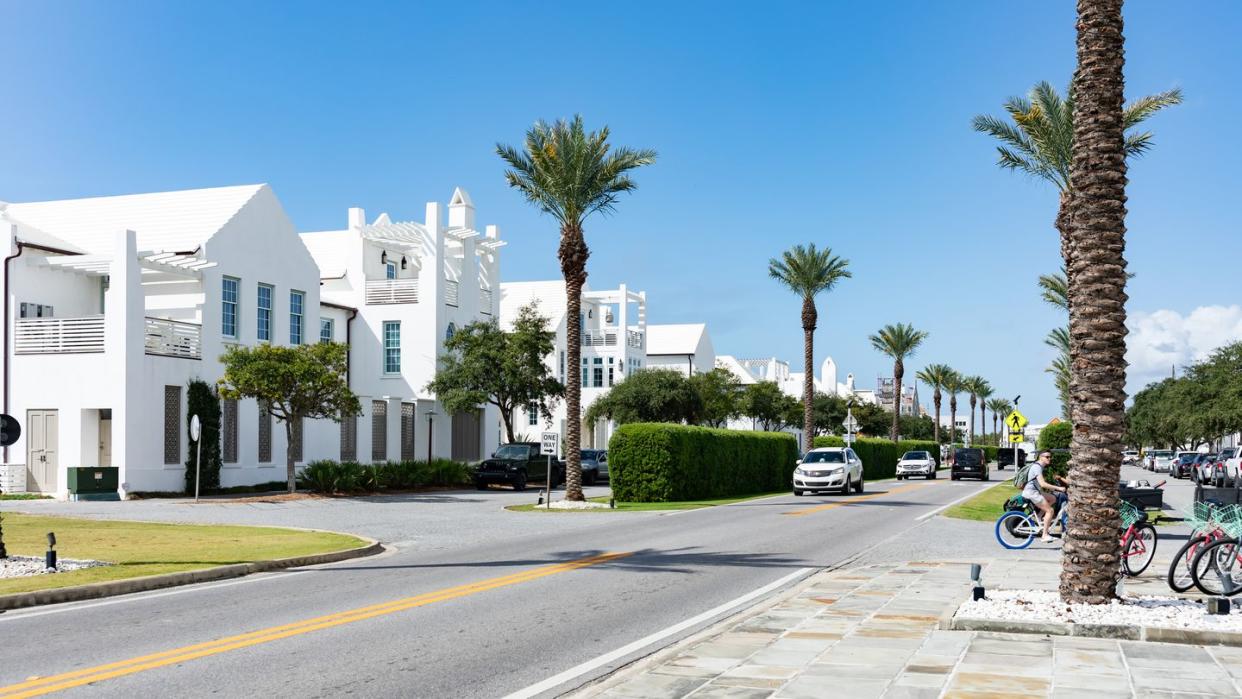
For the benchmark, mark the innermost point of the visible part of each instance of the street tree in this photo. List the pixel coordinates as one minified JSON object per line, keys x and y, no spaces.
{"x":766,"y":404}
{"x":973,"y":385}
{"x":953,"y":386}
{"x":898,"y":342}
{"x":294,"y":384}
{"x":569,"y":174}
{"x":650,"y":395}
{"x":807,"y":272}
{"x":985,"y":391}
{"x":719,"y":395}
{"x":999,"y":407}
{"x":484,"y":364}
{"x":936,"y":375}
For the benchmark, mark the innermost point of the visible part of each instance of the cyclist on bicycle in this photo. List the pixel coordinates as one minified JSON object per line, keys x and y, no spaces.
{"x":1033,"y":492}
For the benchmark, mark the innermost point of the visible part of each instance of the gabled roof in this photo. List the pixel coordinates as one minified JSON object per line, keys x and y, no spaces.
{"x":549,"y":294}
{"x":675,"y":339}
{"x":175,"y":221}
{"x":730,"y":363}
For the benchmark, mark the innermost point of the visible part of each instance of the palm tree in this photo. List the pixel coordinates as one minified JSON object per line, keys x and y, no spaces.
{"x":808,"y":272}
{"x":935,"y":375}
{"x":570,"y":173}
{"x":998,"y":406}
{"x":953,"y":386}
{"x":897,"y":341}
{"x":971,"y":385}
{"x":985,"y":392}
{"x":1097,"y":300}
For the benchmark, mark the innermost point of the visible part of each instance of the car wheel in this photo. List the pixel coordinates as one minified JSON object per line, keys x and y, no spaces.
{"x":900,"y":477}
{"x":986,"y":476}
{"x":589,"y":477}
{"x":859,"y":487}
{"x":797,"y":492}
{"x":519,"y":483}
{"x":481,"y":485}
{"x":845,"y":487}
{"x":931,"y":475}
{"x":952,"y":476}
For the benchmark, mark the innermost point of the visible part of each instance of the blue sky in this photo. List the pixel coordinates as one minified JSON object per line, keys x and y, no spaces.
{"x":836,"y":123}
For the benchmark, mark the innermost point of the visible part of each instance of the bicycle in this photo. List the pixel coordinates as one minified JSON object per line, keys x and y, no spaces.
{"x":1021,"y":522}
{"x":1217,"y":567}
{"x":1138,"y":540}
{"x":1017,"y":529}
{"x":1204,"y":531}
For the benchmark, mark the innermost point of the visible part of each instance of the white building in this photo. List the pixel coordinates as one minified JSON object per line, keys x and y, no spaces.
{"x":614,"y":344}
{"x":685,"y":348}
{"x":397,"y":290}
{"x":791,"y":382}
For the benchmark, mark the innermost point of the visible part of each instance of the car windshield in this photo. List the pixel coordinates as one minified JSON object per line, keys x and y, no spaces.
{"x":914,"y":456}
{"x":1188,"y":458}
{"x":1228,"y":453}
{"x":824,"y":457}
{"x":589,"y":454}
{"x":966,"y":457}
{"x":1161,"y":454}
{"x":513,"y":451}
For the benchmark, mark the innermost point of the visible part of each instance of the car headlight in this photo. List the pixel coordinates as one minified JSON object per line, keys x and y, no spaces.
{"x":799,"y":472}
{"x":836,"y":471}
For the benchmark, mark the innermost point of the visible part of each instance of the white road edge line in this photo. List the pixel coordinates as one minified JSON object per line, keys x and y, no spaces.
{"x":613,"y":656}
{"x":946,"y":506}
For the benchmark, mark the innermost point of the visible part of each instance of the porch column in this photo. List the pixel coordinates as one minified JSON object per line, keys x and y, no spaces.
{"x":124,"y":328}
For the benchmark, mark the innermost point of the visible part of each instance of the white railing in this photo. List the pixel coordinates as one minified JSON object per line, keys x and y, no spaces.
{"x":485,"y":301}
{"x":606,"y":338}
{"x":59,"y":335}
{"x":388,"y":291}
{"x":450,"y":292}
{"x":634,"y":339}
{"x":173,"y":338}
{"x":13,"y":478}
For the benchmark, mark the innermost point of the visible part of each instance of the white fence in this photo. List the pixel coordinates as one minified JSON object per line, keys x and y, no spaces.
{"x":59,"y":335}
{"x":390,"y":291}
{"x":13,"y":478}
{"x":173,"y":338}
{"x":607,"y":338}
{"x":634,"y":339}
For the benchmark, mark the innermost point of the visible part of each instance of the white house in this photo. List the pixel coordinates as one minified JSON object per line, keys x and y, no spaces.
{"x":614,"y":345}
{"x":686,"y":348}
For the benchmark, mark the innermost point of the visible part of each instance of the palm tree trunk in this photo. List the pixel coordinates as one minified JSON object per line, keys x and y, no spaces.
{"x":809,"y":318}
{"x":573,"y":254}
{"x":1096,"y":270}
{"x":936,"y":402}
{"x":899,"y":371}
{"x":983,"y":419}
{"x":996,"y":427}
{"x":972,"y":418}
{"x":952,"y":419}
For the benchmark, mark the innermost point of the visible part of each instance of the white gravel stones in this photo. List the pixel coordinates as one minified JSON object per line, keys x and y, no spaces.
{"x":1046,"y":606}
{"x":21,"y":566}
{"x":572,"y":505}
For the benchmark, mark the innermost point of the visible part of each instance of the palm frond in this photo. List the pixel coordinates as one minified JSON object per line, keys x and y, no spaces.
{"x":1054,"y":289}
{"x":898,"y":341}
{"x":808,"y":271}
{"x":1142,"y":108}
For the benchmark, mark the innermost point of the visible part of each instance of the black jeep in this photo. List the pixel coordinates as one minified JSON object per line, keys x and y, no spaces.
{"x":517,"y":464}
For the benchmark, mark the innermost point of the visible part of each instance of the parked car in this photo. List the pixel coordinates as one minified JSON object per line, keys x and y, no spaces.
{"x":1232,"y":458}
{"x":594,"y":465}
{"x":1161,"y":460}
{"x":1129,"y":456}
{"x":1220,"y":476}
{"x":828,"y":468}
{"x":1203,"y":467}
{"x":1180,"y":467}
{"x":517,"y":464}
{"x":1004,"y":457}
{"x":969,"y":463}
{"x":916,"y":463}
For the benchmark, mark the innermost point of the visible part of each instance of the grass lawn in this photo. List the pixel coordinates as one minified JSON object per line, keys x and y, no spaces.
{"x":648,"y":506}
{"x":24,"y":496}
{"x":143,"y":548}
{"x":984,"y":507}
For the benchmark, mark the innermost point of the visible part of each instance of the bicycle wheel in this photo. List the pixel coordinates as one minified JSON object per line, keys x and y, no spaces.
{"x":1016,"y":529}
{"x":1217,"y":568}
{"x":1179,"y":577}
{"x":1140,"y":550}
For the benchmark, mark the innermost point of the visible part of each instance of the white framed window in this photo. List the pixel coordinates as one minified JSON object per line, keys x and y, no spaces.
{"x":532,"y":413}
{"x":586,"y":372}
{"x":229,"y":296}
{"x":598,"y":372}
{"x":612,"y":361}
{"x":390,"y":270}
{"x":297,"y":311}
{"x":327,"y":330}
{"x":562,"y":367}
{"x":392,"y":347}
{"x":263,"y":315}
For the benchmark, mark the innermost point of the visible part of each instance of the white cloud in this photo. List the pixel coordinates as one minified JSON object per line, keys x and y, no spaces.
{"x":1160,"y":340}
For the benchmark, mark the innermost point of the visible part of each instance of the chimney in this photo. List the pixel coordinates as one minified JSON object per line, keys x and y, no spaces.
{"x":461,"y":210}
{"x":493,"y":233}
{"x":357,"y":218}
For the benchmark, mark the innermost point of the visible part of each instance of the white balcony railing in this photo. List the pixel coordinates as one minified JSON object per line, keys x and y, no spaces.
{"x":388,"y":291}
{"x":59,"y":335}
{"x":450,"y":292}
{"x":485,"y":301}
{"x":173,"y":338}
{"x":599,"y":338}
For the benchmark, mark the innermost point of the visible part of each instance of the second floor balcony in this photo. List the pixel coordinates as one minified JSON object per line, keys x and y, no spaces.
{"x":85,"y":335}
{"x":390,"y":291}
{"x":609,"y":337}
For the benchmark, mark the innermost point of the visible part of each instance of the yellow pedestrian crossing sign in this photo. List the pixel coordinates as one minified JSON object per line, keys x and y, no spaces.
{"x":1016,"y":437}
{"x":1015,"y":421}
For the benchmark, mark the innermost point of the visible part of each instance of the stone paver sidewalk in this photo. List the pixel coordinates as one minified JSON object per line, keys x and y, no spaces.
{"x":873,"y":632}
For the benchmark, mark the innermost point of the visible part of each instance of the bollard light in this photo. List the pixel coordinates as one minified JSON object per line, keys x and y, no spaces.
{"x":612,"y":503}
{"x":50,"y":558}
{"x":1218,"y":605}
{"x":540,"y":499}
{"x":976,"y":571}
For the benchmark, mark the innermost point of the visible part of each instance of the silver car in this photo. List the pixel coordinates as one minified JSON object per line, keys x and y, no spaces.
{"x":594,"y":466}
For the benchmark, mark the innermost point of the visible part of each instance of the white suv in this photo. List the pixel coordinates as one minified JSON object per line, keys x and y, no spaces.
{"x":828,"y":468}
{"x":916,"y":463}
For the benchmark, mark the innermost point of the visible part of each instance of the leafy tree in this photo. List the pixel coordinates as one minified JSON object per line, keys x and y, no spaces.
{"x":768,"y":406}
{"x":484,"y":364}
{"x":296,"y":383}
{"x":650,"y":395}
{"x":719,"y":395}
{"x":569,"y":174}
{"x":830,"y":412}
{"x":936,"y":376}
{"x":920,"y":427}
{"x":1058,"y":435}
{"x":898,"y":342}
{"x":808,"y":272}
{"x":201,"y":400}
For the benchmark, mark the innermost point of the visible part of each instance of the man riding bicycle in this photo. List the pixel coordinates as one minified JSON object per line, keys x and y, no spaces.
{"x":1033,"y":492}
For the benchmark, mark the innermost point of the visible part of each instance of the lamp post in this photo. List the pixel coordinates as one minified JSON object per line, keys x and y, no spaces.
{"x":431,"y":416}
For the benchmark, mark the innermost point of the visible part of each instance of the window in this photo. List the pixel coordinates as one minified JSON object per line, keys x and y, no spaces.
{"x":297,"y":440}
{"x":450,"y":332}
{"x":265,"y":433}
{"x":379,"y":430}
{"x":532,"y":412}
{"x":390,"y":270}
{"x":392,"y":347}
{"x":349,"y":439}
{"x":562,"y":367}
{"x":228,"y":419}
{"x":35,"y":310}
{"x":172,"y":424}
{"x":611,"y":361}
{"x":264,"y":317}
{"x":599,"y":372}
{"x":586,"y":373}
{"x":327,"y":330}
{"x":407,"y":431}
{"x":228,"y":307}
{"x":297,"y":303}
{"x":105,"y":282}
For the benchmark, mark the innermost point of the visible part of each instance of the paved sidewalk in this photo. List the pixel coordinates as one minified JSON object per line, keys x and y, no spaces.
{"x":873,"y":632}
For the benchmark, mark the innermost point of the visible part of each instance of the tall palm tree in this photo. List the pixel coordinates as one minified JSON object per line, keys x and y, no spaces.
{"x":998,"y":406}
{"x":570,"y":173}
{"x":971,"y":385}
{"x":953,"y":386}
{"x":1097,"y":300}
{"x":985,"y":392}
{"x":935,"y":375}
{"x":808,"y":272}
{"x":898,"y":342}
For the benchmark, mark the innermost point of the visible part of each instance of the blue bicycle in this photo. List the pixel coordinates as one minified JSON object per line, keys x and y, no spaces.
{"x":1020,"y":524}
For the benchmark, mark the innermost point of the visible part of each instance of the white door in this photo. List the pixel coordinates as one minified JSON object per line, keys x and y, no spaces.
{"x":42,"y":438}
{"x":105,"y":441}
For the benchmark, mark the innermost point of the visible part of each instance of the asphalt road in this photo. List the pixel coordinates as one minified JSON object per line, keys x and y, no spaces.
{"x":527,"y":599}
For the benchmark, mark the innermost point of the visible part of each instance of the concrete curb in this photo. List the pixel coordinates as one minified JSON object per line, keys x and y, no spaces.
{"x":112,"y":588}
{"x":1121,"y":632}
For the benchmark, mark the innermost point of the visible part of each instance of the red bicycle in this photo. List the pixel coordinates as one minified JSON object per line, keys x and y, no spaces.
{"x":1205,"y":530}
{"x":1138,"y":540}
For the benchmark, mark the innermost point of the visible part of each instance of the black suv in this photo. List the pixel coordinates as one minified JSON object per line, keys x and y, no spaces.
{"x":1004,"y":457}
{"x":968,"y":463}
{"x":517,"y":464}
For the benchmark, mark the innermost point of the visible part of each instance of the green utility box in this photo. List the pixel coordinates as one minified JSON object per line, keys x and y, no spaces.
{"x":94,"y":483}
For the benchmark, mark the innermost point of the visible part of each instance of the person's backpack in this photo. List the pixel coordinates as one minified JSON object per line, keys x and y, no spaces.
{"x":1020,"y":478}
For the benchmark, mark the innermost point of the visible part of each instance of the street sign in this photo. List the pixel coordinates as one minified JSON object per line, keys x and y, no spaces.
{"x":850,"y":424}
{"x":10,"y":430}
{"x":1015,"y":421}
{"x":849,"y":438}
{"x":1015,"y":437}
{"x":550,"y":443}
{"x":196,"y":428}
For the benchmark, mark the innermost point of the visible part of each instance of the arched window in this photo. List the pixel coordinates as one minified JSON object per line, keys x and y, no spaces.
{"x":452,"y":330}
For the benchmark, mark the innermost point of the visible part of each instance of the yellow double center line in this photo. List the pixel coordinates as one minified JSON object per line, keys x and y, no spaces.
{"x":45,"y":685}
{"x":851,"y":501}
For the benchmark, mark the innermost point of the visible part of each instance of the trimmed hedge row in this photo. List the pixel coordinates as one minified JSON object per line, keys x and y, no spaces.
{"x":880,"y":456}
{"x":663,"y":462}
{"x":327,"y":476}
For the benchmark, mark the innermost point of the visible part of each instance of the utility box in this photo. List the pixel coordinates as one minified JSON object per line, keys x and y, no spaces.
{"x":93,"y":483}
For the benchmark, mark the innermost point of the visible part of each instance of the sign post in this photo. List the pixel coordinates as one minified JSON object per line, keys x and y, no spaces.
{"x":850,"y":425}
{"x":196,"y":432}
{"x":549,"y":444}
{"x":1015,"y":421}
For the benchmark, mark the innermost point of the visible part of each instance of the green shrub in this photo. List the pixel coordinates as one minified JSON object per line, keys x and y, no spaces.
{"x":201,"y":400}
{"x":330,"y":477}
{"x":880,"y":456}
{"x":1056,"y":436}
{"x":661,"y":462}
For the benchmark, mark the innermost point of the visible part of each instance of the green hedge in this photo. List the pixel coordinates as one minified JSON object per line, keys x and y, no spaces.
{"x":329,"y":476}
{"x":880,"y":456}
{"x":662,"y":462}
